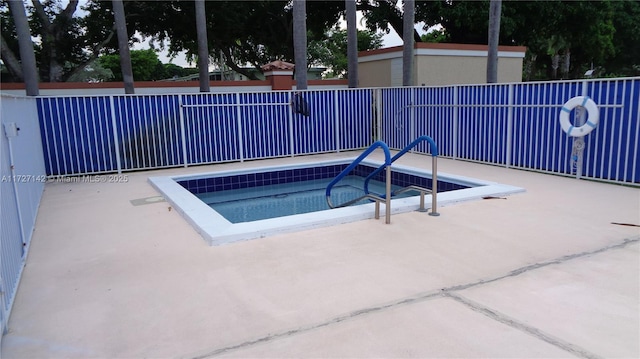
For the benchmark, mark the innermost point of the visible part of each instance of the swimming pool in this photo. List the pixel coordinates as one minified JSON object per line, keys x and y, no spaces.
{"x":182,"y":192}
{"x":285,"y":199}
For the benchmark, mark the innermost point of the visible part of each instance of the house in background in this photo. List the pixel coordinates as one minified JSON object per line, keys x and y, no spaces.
{"x":313,"y":73}
{"x":437,"y":64}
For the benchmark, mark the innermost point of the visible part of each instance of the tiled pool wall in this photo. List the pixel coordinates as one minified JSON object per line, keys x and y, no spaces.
{"x":239,"y":181}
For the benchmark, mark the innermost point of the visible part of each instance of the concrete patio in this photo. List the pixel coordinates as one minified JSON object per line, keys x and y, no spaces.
{"x":552,"y":272}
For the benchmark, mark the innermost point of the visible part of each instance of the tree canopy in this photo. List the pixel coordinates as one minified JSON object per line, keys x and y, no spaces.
{"x":145,"y":64}
{"x":605,"y":33}
{"x":63,"y":46}
{"x":332,"y":49}
{"x":245,"y":32}
{"x":563,"y":38}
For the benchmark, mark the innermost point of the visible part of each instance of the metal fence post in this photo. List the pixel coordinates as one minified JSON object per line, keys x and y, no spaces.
{"x":239,"y":119}
{"x":377,"y":98}
{"x":412,"y":116}
{"x":292,"y":143}
{"x":183,"y":135}
{"x":337,"y":121}
{"x":455,"y":122}
{"x":509,"y":144}
{"x":114,"y":126}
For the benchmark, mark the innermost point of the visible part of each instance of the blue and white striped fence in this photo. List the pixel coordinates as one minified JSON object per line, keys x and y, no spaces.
{"x":516,"y":125}
{"x":513,"y":125}
{"x":95,"y":134}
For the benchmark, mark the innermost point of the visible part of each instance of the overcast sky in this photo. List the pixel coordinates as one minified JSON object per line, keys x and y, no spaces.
{"x":389,"y":40}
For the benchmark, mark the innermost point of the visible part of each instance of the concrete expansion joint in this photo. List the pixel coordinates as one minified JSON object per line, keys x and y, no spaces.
{"x":516,"y":272}
{"x":448,"y":292}
{"x":527,"y":329}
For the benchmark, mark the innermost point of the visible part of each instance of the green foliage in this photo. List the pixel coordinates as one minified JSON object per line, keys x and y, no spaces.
{"x":253,"y":32}
{"x":173,"y":70}
{"x":145,"y":63}
{"x":436,"y":36}
{"x":606,"y":33}
{"x":332,"y":50}
{"x":626,"y":39}
{"x":94,"y":72}
{"x":61,"y":44}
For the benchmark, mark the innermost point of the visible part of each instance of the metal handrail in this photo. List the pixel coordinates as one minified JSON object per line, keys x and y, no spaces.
{"x":422,"y":191}
{"x":434,"y":176}
{"x":387,"y":164}
{"x":375,"y":198}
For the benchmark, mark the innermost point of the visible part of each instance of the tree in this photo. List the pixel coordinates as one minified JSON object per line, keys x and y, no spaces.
{"x":586,"y":28}
{"x":13,"y":66}
{"x":384,"y":15}
{"x":94,"y":72}
{"x":332,"y":49}
{"x":352,"y":43}
{"x":29,"y":71}
{"x":435,"y":36}
{"x":300,"y":42}
{"x":145,"y":65}
{"x":173,"y":70}
{"x":231,"y":27}
{"x":203,"y":49}
{"x":62,"y":46}
{"x":407,"y":37}
{"x":123,"y":46}
{"x":626,"y":40}
{"x":52,"y":31}
{"x":605,"y":33}
{"x":495,"y":8}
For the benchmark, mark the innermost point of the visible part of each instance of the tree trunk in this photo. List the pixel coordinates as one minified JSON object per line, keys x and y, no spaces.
{"x":352,"y":43}
{"x":203,"y":48}
{"x":27,"y":56}
{"x":123,"y":46}
{"x":529,"y":66}
{"x":555,"y":63}
{"x":566,"y":63}
{"x":407,"y":37}
{"x":228,"y":60}
{"x":52,"y":34}
{"x":495,"y":10}
{"x":396,"y":22}
{"x":300,"y":42}
{"x":10,"y":60}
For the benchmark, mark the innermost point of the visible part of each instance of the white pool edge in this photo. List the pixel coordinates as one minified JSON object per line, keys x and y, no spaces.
{"x":217,"y":230}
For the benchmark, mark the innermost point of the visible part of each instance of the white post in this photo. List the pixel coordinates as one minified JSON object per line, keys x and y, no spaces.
{"x":183,"y":134}
{"x":239,"y":119}
{"x":114,"y":126}
{"x":508,"y":145}
{"x":387,"y":198}
{"x":455,"y":122}
{"x":337,"y":123}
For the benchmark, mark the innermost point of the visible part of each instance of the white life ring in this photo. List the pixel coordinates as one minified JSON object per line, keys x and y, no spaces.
{"x":593,"y":116}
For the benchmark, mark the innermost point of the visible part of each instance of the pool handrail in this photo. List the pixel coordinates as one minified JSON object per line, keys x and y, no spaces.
{"x":434,"y":176}
{"x":346,"y":171}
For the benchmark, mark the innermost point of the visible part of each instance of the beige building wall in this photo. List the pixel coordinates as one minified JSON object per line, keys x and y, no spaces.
{"x":439,"y":64}
{"x":373,"y":73}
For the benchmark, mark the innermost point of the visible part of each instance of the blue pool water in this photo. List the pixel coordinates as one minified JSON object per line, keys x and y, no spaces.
{"x":286,"y":199}
{"x":186,"y":193}
{"x":263,"y":195}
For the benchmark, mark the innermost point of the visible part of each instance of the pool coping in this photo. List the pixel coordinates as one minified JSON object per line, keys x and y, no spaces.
{"x":216,"y":230}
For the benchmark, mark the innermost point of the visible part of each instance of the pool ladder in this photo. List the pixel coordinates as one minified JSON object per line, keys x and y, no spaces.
{"x":388,"y":160}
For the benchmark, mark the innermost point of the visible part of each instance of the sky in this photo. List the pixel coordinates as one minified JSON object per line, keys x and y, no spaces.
{"x":389,"y":40}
